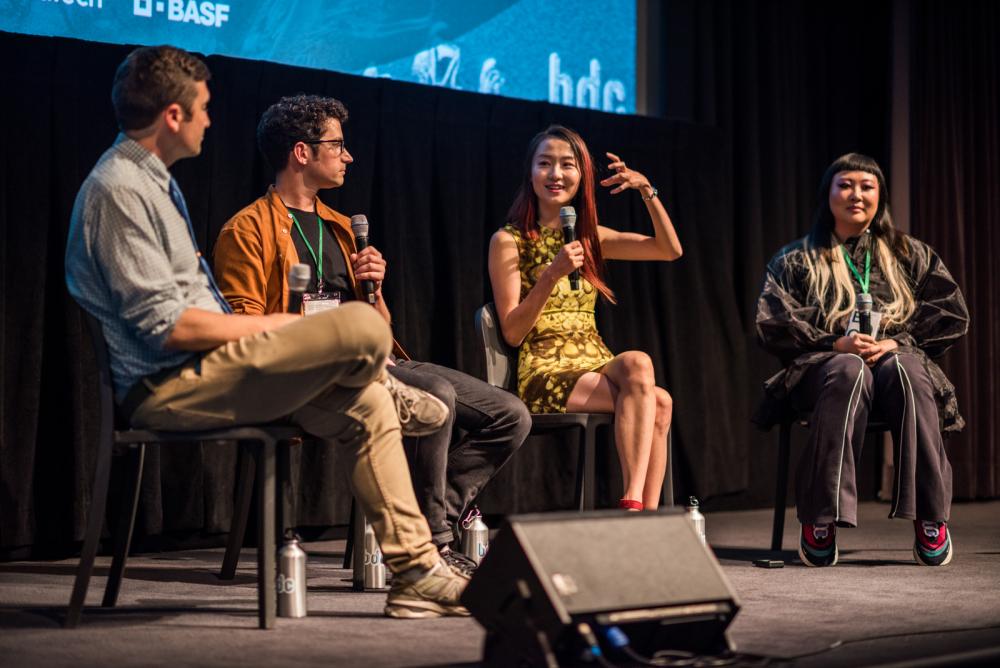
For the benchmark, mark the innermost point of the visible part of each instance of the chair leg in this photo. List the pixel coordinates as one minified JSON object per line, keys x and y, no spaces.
{"x":349,"y":548}
{"x":284,"y":491}
{"x":586,"y":488}
{"x":266,"y":595}
{"x":358,"y":561}
{"x":126,"y":524}
{"x":241,"y":511}
{"x":579,"y":497}
{"x":667,"y":491}
{"x":95,"y":522}
{"x":781,"y":486}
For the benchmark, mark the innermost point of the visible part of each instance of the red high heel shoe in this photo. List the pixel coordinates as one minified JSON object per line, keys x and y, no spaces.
{"x":630,"y":504}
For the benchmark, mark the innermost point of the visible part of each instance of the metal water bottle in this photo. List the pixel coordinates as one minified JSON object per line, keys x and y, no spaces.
{"x":291,"y":584}
{"x":374,"y":567}
{"x":694,"y":514}
{"x":475,"y":536}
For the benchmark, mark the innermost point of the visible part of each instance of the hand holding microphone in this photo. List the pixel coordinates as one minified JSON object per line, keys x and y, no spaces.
{"x":366,"y":264}
{"x":298,"y":281}
{"x":567,"y":218}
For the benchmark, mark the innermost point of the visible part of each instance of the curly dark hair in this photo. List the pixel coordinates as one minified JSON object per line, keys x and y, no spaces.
{"x":150,"y":79}
{"x":293,"y":119}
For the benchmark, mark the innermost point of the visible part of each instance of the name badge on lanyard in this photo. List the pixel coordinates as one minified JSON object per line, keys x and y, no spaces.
{"x":317,"y":302}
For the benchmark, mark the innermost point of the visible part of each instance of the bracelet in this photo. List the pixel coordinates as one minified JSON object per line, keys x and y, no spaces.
{"x":651,"y":195}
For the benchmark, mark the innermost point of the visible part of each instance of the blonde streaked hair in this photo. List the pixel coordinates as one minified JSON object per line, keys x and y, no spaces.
{"x":829,"y":278}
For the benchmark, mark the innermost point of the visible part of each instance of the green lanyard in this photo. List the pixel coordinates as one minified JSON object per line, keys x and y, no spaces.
{"x":317,"y":260}
{"x":866,"y":281}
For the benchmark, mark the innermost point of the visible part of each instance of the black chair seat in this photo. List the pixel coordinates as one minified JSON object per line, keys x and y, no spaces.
{"x":242,"y":433}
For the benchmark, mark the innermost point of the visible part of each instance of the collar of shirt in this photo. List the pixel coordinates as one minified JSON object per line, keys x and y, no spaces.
{"x":145,"y":160}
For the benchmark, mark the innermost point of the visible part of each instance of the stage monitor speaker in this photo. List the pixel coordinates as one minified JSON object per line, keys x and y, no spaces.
{"x":554,"y":585}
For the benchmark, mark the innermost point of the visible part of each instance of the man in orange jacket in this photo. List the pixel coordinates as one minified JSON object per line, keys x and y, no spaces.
{"x":302,"y":139}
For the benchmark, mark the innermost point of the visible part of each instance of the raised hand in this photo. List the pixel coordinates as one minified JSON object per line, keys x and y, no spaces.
{"x":624,"y":178}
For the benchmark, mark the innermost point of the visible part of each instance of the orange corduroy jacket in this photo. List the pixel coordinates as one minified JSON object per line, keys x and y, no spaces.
{"x":255,"y":252}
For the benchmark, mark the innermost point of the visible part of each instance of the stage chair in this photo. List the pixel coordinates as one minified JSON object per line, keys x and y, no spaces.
{"x":257,"y":444}
{"x":501,"y":371}
{"x":875,"y":426}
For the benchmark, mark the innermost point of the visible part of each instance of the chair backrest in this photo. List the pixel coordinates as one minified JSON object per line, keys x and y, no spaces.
{"x":501,"y":359}
{"x":105,"y":388}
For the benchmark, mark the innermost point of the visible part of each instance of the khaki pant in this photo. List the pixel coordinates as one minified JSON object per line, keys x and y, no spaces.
{"x":320,"y":372}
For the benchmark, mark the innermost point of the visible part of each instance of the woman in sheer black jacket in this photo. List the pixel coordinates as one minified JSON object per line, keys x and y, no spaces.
{"x":810,"y":315}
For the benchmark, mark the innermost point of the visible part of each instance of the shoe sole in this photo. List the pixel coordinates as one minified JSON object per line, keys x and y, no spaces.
{"x":947,"y":560}
{"x":802,"y":556}
{"x":423,"y":610}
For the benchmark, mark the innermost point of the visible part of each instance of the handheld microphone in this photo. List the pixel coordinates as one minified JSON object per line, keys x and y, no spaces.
{"x":359,"y":226}
{"x":567,"y":216}
{"x":298,"y":281}
{"x":864,"y":305}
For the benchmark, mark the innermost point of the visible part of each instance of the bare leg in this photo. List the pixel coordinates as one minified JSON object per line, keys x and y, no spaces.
{"x":658,"y":450}
{"x":626,"y":389}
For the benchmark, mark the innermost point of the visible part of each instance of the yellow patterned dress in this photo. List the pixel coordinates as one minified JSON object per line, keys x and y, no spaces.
{"x":564,"y":343}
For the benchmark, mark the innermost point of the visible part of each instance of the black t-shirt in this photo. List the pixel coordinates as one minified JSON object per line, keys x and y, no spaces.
{"x":335,"y":276}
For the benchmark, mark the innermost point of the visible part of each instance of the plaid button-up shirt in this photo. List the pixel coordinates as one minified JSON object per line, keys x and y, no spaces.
{"x":131,"y":262}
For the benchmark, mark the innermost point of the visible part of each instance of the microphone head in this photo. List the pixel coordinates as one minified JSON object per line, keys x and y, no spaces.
{"x":567,"y":216}
{"x":359,"y":225}
{"x":864,"y":302}
{"x":298,"y":277}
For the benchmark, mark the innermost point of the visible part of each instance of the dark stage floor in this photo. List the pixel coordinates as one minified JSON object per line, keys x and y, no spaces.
{"x":875,"y":608}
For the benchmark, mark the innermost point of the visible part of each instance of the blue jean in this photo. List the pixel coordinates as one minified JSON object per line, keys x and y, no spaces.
{"x":450,"y":467}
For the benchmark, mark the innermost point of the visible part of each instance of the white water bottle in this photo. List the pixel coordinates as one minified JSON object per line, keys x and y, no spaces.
{"x":291,"y":582}
{"x":475,"y":536}
{"x":374,"y":566}
{"x":697,"y":519}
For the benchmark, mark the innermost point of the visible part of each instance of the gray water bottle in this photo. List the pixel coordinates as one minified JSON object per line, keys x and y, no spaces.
{"x":694,"y":514}
{"x":291,"y":583}
{"x":374,"y":567}
{"x":475,"y":536}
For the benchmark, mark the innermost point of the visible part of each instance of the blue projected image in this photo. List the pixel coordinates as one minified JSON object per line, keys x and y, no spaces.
{"x":580,"y":54}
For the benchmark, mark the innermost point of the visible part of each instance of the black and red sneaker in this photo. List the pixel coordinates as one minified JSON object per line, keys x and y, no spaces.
{"x":818,"y":545}
{"x":932,"y":546}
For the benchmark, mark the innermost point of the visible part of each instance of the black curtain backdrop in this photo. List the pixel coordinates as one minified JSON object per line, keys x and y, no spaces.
{"x":956,"y":207}
{"x":435,"y":171}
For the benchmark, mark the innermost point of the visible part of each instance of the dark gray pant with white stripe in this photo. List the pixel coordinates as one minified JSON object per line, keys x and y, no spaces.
{"x":841,"y":394}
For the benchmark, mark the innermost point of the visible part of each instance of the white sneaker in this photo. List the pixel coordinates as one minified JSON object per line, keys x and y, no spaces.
{"x":420,"y":413}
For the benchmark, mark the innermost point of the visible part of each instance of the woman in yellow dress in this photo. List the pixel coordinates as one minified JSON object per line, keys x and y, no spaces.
{"x":563,"y":363}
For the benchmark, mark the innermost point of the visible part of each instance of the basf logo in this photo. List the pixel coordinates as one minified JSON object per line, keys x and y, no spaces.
{"x":208,"y":14}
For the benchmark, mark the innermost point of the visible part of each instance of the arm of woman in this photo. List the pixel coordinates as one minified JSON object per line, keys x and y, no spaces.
{"x":518,"y":317}
{"x":941,"y":317}
{"x":615,"y":245}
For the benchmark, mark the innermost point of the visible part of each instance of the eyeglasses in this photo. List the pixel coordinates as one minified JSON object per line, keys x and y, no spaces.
{"x":336,"y":144}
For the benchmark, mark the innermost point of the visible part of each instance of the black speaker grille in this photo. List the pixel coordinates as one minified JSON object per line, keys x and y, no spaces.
{"x":617,"y":562}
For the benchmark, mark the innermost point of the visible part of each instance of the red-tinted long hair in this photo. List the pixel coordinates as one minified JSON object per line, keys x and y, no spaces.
{"x":523,"y":213}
